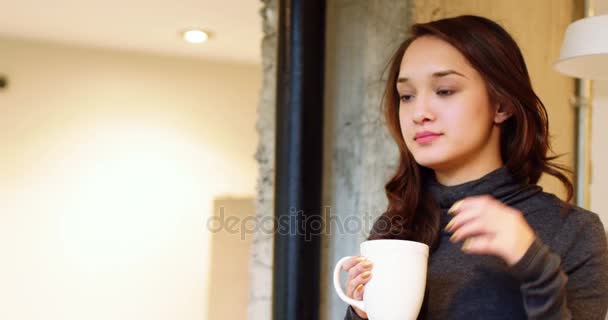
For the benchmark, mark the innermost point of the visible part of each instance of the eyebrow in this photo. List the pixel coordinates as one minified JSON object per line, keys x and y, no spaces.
{"x":438,"y":74}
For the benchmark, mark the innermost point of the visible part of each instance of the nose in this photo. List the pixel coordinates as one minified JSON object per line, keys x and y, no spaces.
{"x":422,"y":111}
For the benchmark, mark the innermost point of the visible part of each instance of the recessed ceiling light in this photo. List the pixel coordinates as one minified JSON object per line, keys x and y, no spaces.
{"x":195,"y":36}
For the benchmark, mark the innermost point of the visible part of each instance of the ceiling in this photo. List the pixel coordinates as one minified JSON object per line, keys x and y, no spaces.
{"x":151,"y":26}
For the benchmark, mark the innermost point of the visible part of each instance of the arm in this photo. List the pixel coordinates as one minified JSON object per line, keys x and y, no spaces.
{"x":543,"y":283}
{"x":575,"y":288}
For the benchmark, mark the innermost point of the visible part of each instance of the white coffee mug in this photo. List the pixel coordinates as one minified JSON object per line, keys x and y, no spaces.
{"x":396,"y":288}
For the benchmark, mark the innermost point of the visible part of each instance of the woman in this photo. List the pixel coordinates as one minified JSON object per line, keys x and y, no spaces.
{"x":473,"y":140}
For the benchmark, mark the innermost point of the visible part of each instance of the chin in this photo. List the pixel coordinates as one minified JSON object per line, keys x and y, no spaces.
{"x":432,"y":161}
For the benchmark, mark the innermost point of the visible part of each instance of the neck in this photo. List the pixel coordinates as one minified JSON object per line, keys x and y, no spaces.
{"x":474,"y":166}
{"x":471,"y":170}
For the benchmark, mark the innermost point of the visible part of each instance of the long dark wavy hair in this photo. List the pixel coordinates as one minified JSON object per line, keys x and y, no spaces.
{"x":413,"y":214}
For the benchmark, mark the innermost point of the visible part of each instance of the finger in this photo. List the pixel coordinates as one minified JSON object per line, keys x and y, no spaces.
{"x":351,"y":285}
{"x":361,"y":279}
{"x":356,"y":285}
{"x":356,"y":275}
{"x":359,"y":268}
{"x":358,"y":293}
{"x":346,"y":265}
{"x":471,"y":229}
{"x":350,"y":289}
{"x":470,"y":202}
{"x":454,"y":209}
{"x":462,"y":218}
{"x":478,"y":245}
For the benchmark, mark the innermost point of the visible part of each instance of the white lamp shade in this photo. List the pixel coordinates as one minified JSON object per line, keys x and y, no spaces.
{"x":584,"y":51}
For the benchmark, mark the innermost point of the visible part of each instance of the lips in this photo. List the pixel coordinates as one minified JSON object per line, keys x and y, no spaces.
{"x":425,"y":137}
{"x":425,"y":134}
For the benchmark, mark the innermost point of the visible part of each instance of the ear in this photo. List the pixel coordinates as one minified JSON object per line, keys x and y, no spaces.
{"x":502,"y":113}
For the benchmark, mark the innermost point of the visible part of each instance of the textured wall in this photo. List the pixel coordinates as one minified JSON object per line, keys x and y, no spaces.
{"x":359,"y":153}
{"x":260,"y":293}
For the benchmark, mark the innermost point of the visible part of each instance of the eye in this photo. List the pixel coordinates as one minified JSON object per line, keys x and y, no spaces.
{"x":445,"y":93}
{"x":406,"y":98}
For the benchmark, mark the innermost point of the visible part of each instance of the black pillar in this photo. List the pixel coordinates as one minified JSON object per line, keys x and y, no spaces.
{"x":299,"y":157}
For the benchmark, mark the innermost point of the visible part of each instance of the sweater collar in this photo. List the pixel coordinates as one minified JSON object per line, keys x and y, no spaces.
{"x":499,"y":183}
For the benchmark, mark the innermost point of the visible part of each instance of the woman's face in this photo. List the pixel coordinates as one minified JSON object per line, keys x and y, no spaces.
{"x":446,"y":117}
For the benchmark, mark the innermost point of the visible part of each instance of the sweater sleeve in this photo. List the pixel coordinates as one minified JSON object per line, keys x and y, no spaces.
{"x":351,"y":314}
{"x":575,"y":287}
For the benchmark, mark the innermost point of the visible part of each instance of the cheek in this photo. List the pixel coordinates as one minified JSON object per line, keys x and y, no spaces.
{"x":470,"y":108}
{"x":404,"y":123}
{"x":469,"y":123}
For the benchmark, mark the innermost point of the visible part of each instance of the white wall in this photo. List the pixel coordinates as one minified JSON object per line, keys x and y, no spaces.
{"x":108,"y":165}
{"x":229,"y":252}
{"x":599,"y":141}
{"x":599,"y":149}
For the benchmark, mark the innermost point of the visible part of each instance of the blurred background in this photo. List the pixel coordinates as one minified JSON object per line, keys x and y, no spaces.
{"x":125,"y":149}
{"x":117,"y":140}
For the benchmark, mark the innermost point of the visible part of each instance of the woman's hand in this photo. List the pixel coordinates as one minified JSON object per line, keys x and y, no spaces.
{"x":359,"y":273}
{"x":487,"y":226}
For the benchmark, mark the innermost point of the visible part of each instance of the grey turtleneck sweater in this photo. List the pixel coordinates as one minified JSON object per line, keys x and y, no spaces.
{"x":564,"y":274}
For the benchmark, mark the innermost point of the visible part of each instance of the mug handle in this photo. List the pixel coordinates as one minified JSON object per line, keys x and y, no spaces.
{"x":338,"y":287}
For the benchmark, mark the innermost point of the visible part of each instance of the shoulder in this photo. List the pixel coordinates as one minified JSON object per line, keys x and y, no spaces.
{"x":570,"y":217}
{"x":566,"y":228}
{"x":581,"y":233}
